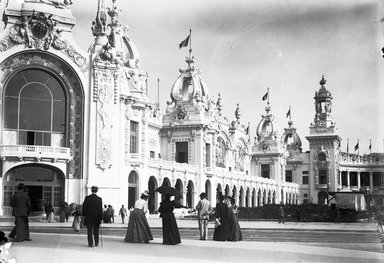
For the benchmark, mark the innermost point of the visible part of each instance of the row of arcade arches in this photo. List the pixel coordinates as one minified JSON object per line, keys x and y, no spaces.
{"x":244,"y":198}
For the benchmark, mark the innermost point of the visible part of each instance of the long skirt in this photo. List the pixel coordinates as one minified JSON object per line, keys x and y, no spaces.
{"x":138,"y":230}
{"x":220,"y":233}
{"x":171,"y":234}
{"x":233,"y":228}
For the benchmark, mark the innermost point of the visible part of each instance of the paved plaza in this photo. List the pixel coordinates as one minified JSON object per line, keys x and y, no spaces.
{"x":68,"y":246}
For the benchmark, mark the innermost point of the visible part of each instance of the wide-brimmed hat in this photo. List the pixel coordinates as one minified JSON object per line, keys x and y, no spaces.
{"x":94,"y":189}
{"x":203,"y":195}
{"x":145,"y":193}
{"x":20,"y":186}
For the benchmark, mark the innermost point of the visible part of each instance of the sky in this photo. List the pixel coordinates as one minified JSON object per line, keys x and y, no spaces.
{"x":243,"y":47}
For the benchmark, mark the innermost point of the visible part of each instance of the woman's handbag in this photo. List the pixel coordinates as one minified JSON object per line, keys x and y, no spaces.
{"x":76,"y":223}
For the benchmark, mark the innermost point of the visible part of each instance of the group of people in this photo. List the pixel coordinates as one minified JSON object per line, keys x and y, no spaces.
{"x":227,"y":226}
{"x":108,"y":214}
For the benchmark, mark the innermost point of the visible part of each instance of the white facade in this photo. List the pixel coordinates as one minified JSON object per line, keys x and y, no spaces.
{"x":72,"y":119}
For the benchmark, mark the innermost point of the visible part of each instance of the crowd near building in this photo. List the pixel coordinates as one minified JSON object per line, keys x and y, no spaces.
{"x":72,"y":119}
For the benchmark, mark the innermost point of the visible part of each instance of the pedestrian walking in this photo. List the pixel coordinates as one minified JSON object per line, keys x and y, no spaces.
{"x":281,"y":213}
{"x":221,"y":220}
{"x":138,"y":230}
{"x":204,"y":209}
{"x":171,"y":234}
{"x":21,"y":206}
{"x":92,"y":210}
{"x":123,"y":213}
{"x":233,"y":227}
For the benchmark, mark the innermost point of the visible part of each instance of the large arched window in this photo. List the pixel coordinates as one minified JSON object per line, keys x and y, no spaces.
{"x":34,"y":109}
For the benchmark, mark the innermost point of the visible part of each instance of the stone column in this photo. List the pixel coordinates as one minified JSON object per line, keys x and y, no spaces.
{"x":358,"y":181}
{"x":348,"y":179}
{"x":370,"y":182}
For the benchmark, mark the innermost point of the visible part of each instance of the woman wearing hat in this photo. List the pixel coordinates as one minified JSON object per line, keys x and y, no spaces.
{"x":138,"y":230}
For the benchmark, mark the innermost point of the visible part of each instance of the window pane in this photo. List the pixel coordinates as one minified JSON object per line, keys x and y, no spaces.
{"x":36,"y":91}
{"x":14,"y":85}
{"x":35,"y":115}
{"x":10,"y":118}
{"x":59,"y":116}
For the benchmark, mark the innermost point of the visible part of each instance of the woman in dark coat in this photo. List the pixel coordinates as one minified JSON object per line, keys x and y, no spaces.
{"x":221,"y":220}
{"x":171,"y":234}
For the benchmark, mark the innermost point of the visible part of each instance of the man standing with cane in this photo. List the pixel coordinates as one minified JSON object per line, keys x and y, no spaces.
{"x":93,"y":213}
{"x":203,"y":210}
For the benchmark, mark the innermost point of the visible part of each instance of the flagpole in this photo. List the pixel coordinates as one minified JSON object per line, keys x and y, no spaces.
{"x":348,"y":145}
{"x":190,"y":44}
{"x":158,"y":92}
{"x":268,"y":96}
{"x":249,"y":131}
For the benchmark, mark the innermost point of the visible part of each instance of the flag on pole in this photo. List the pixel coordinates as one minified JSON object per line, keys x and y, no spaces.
{"x":289,"y":112}
{"x":247,"y":130}
{"x":185,"y":42}
{"x":370,"y":144}
{"x":357,"y":146}
{"x":265,"y":96}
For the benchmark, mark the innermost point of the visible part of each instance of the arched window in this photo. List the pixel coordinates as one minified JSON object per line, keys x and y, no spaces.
{"x":34,"y":109}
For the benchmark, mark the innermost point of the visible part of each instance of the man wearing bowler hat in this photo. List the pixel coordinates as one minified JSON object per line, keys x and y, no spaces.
{"x":203,"y":208}
{"x":21,"y":205}
{"x":93,"y":213}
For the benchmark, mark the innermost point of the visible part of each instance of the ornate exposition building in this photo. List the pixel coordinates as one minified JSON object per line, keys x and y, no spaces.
{"x":70,"y":120}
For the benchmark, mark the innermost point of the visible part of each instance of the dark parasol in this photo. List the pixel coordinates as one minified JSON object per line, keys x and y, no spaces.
{"x":168,"y":190}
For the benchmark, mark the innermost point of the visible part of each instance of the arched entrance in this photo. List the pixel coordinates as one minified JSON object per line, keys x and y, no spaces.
{"x":241,"y":197}
{"x":152,"y":200}
{"x":322,"y":198}
{"x":219,"y":192}
{"x":190,"y":189}
{"x":179,"y":187}
{"x":132,"y":189}
{"x":45,"y":185}
{"x":227,"y":190}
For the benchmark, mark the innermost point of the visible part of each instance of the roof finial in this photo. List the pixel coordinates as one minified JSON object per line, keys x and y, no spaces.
{"x":323,"y":81}
{"x":98,"y":26}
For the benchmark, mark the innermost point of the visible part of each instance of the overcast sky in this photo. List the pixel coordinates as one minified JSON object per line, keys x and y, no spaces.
{"x":243,"y":47}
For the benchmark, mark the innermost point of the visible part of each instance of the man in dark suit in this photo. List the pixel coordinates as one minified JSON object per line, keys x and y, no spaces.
{"x":93,"y":213}
{"x":21,"y":205}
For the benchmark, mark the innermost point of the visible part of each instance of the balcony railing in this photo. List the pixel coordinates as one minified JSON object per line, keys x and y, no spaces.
{"x":33,"y":151}
{"x":171,"y":165}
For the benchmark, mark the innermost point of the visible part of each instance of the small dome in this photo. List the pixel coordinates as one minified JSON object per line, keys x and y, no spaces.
{"x":323,"y":92}
{"x":189,"y":85}
{"x":291,"y":138}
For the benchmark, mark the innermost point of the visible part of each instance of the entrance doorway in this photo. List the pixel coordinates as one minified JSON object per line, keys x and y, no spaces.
{"x":44,"y":183}
{"x":35,"y":193}
{"x":132,"y":189}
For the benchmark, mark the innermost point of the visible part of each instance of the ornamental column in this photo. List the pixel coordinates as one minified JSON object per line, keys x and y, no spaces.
{"x":348,"y":179}
{"x":371,"y":182}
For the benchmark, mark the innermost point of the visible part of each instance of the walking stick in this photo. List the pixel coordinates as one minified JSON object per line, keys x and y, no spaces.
{"x":101,"y":237}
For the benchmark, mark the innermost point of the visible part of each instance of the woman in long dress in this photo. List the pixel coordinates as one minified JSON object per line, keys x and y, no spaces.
{"x":138,"y":230}
{"x":221,"y":220}
{"x":171,"y":234}
{"x":233,"y":230}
